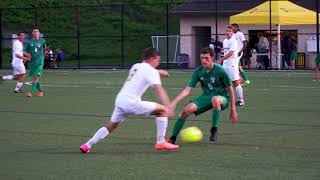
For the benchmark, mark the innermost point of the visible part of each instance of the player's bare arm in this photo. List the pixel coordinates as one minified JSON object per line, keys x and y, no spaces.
{"x":220,"y":61}
{"x":243,"y":48}
{"x":233,"y":112}
{"x":184,"y":93}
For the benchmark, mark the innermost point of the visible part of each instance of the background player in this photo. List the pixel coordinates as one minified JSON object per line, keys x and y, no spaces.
{"x":17,"y":64}
{"x":216,"y":88}
{"x":230,"y":63}
{"x":36,"y":48}
{"x":128,"y":101}
{"x":242,"y":45}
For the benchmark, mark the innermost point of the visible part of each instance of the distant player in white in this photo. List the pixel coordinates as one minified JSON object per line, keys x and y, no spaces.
{"x":17,"y":64}
{"x":242,"y":45}
{"x":230,"y":63}
{"x":128,"y":101}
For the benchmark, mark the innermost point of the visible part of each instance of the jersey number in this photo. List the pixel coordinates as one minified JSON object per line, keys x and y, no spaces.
{"x":132,"y":74}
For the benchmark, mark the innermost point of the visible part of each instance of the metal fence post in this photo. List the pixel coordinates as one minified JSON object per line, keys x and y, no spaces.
{"x":270,"y":37}
{"x":0,"y":38}
{"x":37,"y":14}
{"x":216,"y":14}
{"x":317,"y":5}
{"x":167,"y":28}
{"x":122,"y":36}
{"x":78,"y":36}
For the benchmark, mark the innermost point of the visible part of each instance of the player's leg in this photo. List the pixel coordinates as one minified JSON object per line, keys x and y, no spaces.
{"x":36,"y":72}
{"x":239,"y":92}
{"x":219,"y":103}
{"x":117,"y":117}
{"x":20,"y":72}
{"x":243,"y":74}
{"x":186,"y":112}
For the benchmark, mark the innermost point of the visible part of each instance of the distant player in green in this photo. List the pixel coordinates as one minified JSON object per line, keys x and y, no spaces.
{"x":217,"y":90}
{"x":317,"y":60}
{"x":36,"y":48}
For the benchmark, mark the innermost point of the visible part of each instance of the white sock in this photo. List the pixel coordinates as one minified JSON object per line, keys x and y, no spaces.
{"x":162,"y":123}
{"x":18,"y":86}
{"x":8,"y":77}
{"x":98,"y":136}
{"x":239,"y":93}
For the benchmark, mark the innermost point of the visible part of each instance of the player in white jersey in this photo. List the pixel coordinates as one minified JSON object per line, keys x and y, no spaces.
{"x":242,"y":45}
{"x":128,"y":101}
{"x":230,"y":63}
{"x":17,"y":64}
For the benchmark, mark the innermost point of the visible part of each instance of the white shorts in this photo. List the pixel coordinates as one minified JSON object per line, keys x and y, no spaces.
{"x":233,"y":72}
{"x":18,"y":68}
{"x":125,"y":107}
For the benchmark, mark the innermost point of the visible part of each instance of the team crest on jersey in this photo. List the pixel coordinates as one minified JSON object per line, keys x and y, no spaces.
{"x":212,"y":79}
{"x":39,"y":45}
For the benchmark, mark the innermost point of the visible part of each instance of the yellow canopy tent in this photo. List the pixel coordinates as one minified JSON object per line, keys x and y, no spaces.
{"x":283,"y":12}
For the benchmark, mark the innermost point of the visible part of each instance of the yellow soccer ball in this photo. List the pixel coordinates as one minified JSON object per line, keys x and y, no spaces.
{"x":191,"y":134}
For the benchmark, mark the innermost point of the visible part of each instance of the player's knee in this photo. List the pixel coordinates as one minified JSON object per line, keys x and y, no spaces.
{"x":111,"y":126}
{"x":236,"y":83}
{"x":216,"y":102}
{"x":188,"y":110}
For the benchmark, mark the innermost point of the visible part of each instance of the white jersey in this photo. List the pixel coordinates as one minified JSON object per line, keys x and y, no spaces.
{"x":240,"y":38}
{"x":230,"y":45}
{"x":141,"y":77}
{"x":17,"y":48}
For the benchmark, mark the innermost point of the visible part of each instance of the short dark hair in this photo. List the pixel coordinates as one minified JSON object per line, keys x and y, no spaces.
{"x":207,"y":50}
{"x":20,"y":32}
{"x":36,"y":27}
{"x":150,"y":53}
{"x":235,"y":24}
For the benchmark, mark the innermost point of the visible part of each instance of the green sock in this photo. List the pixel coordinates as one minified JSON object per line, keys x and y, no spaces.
{"x":244,"y":75}
{"x":178,"y":126}
{"x":216,"y":118}
{"x":33,"y":87}
{"x":39,"y":86}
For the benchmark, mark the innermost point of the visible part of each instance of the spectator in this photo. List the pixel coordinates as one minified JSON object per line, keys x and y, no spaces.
{"x":294,"y":52}
{"x":48,"y":59}
{"x":211,"y":44}
{"x":59,"y":57}
{"x":218,"y":46}
{"x":246,"y":57}
{"x":286,"y":50}
{"x":263,"y":48}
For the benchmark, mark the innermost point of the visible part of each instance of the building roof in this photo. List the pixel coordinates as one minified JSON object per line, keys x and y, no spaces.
{"x":227,"y":7}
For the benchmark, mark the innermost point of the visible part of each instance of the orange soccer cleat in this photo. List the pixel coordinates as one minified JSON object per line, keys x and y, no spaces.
{"x":40,"y":94}
{"x":165,"y":146}
{"x":29,"y":94}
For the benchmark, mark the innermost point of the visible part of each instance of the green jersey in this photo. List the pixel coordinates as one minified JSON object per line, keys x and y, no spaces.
{"x":36,"y":48}
{"x":214,"y":82}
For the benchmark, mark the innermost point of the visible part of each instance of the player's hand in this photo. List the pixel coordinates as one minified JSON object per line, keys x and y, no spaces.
{"x":27,"y":57}
{"x":219,"y":61}
{"x":233,"y":117}
{"x":164,"y":73}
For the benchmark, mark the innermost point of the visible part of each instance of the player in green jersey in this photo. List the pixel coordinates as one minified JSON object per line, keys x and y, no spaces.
{"x":217,"y":90}
{"x":36,"y":48}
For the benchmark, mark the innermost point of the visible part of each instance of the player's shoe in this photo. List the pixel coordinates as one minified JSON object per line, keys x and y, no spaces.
{"x":247,"y":82}
{"x":165,"y":146}
{"x":19,"y":91}
{"x":172,"y":140}
{"x":214,"y":135}
{"x":240,"y":103}
{"x":29,"y":94}
{"x":40,"y":94}
{"x":84,"y":148}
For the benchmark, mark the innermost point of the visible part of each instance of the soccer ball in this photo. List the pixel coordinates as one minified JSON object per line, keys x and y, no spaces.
{"x":191,"y":134}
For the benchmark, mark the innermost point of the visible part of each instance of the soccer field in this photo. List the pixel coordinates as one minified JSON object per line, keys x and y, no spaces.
{"x":277,"y":137}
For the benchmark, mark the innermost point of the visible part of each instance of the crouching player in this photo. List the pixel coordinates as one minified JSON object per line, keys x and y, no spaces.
{"x":217,"y":90}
